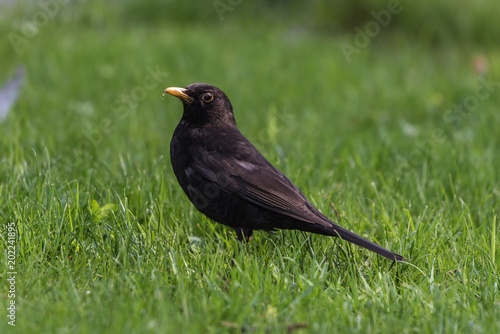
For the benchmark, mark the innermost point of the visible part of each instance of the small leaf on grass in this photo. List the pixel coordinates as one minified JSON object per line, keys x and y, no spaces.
{"x":102,"y":212}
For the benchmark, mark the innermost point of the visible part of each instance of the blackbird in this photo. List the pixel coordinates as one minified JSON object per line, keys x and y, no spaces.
{"x":228,"y":180}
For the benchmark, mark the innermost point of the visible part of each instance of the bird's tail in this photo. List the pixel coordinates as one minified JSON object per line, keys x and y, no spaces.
{"x":338,"y":231}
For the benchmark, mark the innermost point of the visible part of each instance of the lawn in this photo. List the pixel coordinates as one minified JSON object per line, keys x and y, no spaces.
{"x":400,"y":137}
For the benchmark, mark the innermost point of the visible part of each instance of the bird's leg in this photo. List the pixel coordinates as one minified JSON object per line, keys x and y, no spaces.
{"x":244,"y":233}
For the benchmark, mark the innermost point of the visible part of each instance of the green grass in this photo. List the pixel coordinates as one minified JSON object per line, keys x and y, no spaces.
{"x":107,"y":241}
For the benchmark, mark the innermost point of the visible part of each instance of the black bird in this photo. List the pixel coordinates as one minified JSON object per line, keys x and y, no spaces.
{"x":229,"y":181}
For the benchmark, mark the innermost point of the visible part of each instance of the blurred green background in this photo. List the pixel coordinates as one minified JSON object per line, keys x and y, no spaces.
{"x":388,"y":109}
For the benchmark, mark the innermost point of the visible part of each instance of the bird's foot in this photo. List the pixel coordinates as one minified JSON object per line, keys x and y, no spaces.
{"x":244,"y":233}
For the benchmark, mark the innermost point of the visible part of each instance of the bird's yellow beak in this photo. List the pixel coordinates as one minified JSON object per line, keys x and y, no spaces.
{"x":179,"y":92}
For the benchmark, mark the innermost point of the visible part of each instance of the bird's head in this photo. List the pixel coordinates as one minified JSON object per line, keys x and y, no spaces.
{"x":204,"y":104}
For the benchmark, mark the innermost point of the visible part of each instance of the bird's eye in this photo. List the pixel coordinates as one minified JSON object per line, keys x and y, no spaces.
{"x":207,"y":97}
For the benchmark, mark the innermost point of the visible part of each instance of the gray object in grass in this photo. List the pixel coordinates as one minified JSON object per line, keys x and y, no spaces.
{"x":10,"y":92}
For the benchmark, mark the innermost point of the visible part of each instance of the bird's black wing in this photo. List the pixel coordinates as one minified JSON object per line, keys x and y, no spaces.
{"x":248,"y":175}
